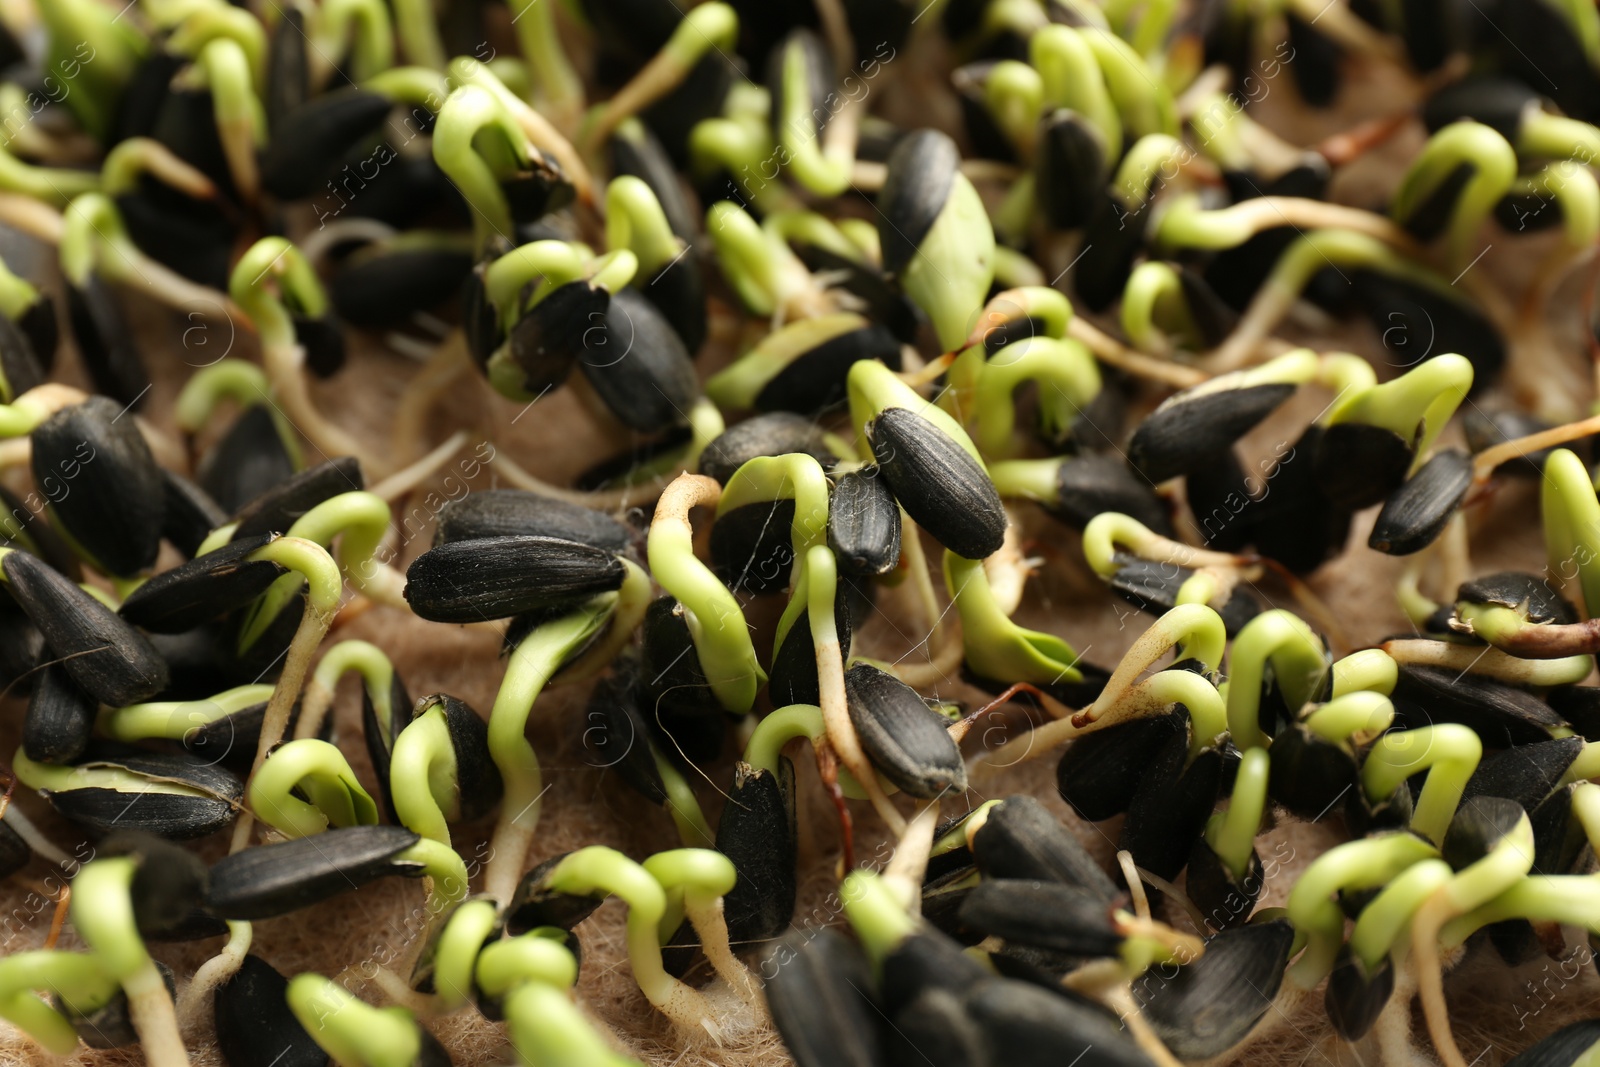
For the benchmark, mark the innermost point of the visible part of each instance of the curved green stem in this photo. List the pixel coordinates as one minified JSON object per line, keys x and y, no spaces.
{"x":1571,"y":514}
{"x":716,"y":622}
{"x":467,"y":113}
{"x":1352,"y":717}
{"x":1414,"y":406}
{"x":422,"y":775}
{"x":102,"y":913}
{"x":1312,"y":907}
{"x":528,"y":670}
{"x":461,"y":951}
{"x":636,"y":221}
{"x":1494,"y":165}
{"x":1072,"y":80}
{"x":874,"y":914}
{"x":377,"y":676}
{"x":78,"y":979}
{"x":445,"y":870}
{"x":994,"y":645}
{"x":1232,"y":833}
{"x":173,"y":720}
{"x":318,"y":770}
{"x":1382,"y":924}
{"x":1449,"y":752}
{"x":796,"y":477}
{"x":1298,"y":663}
{"x":1064,"y":371}
{"x":360,"y":29}
{"x":1370,"y":670}
{"x":601,"y":871}
{"x":351,"y":1031}
{"x":270,"y":279}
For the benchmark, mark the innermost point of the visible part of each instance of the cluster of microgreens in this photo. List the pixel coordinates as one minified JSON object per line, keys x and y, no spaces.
{"x":908,"y":371}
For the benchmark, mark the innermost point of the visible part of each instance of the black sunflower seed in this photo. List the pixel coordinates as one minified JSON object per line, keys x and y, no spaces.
{"x":617,"y":738}
{"x":674,"y":683}
{"x":1211,"y":1003}
{"x":255,"y":1027}
{"x":1190,"y":427}
{"x":1069,"y":169}
{"x":1112,"y":239}
{"x":933,"y":1028}
{"x":752,"y":548}
{"x":188,"y":513}
{"x":757,"y":832}
{"x":1043,"y":914}
{"x":21,"y":646}
{"x":140,"y":805}
{"x":940,"y":485}
{"x":384,"y":287}
{"x":819,"y":990}
{"x":1501,"y":714}
{"x":1225,"y":900}
{"x":793,"y":677}
{"x":1527,"y":593}
{"x":104,"y":486}
{"x":1578,"y":705}
{"x":110,"y":1025}
{"x":1309,"y":773}
{"x":497,"y":577}
{"x":1569,"y":1046}
{"x":638,"y":365}
{"x":814,"y":378}
{"x":921,"y":171}
{"x":1358,"y":465}
{"x":323,"y":342}
{"x":1021,"y":839}
{"x":1171,"y":804}
{"x":1481,"y":825}
{"x":1317,"y":61}
{"x":19,"y":366}
{"x":504,"y":512}
{"x":276,"y":879}
{"x":1416,"y":514}
{"x":275,"y":510}
{"x":864,"y":523}
{"x":804,"y":47}
{"x":1220,"y":499}
{"x":535,"y":904}
{"x":927,"y":959}
{"x":1526,"y":774}
{"x":1498,"y":102}
{"x":1099,"y":772}
{"x":1557,"y":841}
{"x":534,"y":192}
{"x":546,"y":342}
{"x":1417,"y":319}
{"x":775,"y":433}
{"x":249,"y":460}
{"x":38,"y":324}
{"x":14,"y":851}
{"x":380,"y":728}
{"x":1152,"y":586}
{"x":168,"y":885}
{"x":288,"y":71}
{"x":1026,"y":1026}
{"x":106,"y":341}
{"x":191,"y":236}
{"x":205,"y":588}
{"x":1431,"y":215}
{"x":678,"y":291}
{"x":308,"y":143}
{"x":905,"y":739}
{"x":1354,"y":998}
{"x":60,"y":717}
{"x":107,"y":657}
